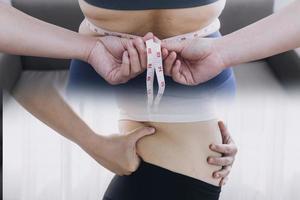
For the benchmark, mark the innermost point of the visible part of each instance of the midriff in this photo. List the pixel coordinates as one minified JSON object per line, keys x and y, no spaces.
{"x":179,"y":147}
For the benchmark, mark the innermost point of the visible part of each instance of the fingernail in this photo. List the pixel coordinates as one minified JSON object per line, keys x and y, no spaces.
{"x":217,"y":175}
{"x":211,"y":146}
{"x":151,"y":129}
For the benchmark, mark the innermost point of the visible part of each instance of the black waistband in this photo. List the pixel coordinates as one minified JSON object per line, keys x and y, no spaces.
{"x":186,"y":181}
{"x":148,"y":4}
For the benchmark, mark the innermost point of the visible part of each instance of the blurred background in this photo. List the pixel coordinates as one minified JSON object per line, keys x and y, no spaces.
{"x":40,"y":164}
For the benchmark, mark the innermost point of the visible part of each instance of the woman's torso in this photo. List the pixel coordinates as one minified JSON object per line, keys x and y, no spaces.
{"x":180,"y":147}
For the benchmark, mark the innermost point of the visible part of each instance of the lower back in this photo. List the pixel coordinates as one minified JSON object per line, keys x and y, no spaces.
{"x":163,"y":23}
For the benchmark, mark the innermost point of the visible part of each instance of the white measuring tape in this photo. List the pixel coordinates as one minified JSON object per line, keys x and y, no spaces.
{"x":154,"y":64}
{"x":154,"y":56}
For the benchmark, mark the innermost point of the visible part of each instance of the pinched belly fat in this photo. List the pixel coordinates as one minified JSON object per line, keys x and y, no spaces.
{"x":179,"y":147}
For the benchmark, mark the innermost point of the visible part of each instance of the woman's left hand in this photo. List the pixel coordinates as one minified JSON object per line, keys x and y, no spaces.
{"x":228,"y":150}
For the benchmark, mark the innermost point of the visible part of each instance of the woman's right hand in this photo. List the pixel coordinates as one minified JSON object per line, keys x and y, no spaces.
{"x":117,"y":152}
{"x":192,"y":62}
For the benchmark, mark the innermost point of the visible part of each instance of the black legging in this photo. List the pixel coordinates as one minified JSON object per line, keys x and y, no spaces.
{"x":151,"y":182}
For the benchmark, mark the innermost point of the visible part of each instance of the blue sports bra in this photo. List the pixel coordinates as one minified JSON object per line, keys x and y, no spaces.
{"x":148,"y":4}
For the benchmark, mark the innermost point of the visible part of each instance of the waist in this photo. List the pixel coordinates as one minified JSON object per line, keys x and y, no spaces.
{"x":162,"y":22}
{"x":179,"y":147}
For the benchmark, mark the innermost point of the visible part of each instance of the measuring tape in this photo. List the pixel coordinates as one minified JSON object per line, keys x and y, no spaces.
{"x":154,"y":56}
{"x":154,"y":64}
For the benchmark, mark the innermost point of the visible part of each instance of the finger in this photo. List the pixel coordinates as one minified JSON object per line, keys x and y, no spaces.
{"x":141,"y":48}
{"x":174,"y":45}
{"x":224,"y":132}
{"x":125,"y":66}
{"x":176,"y":74}
{"x":222,"y":173}
{"x":223,"y":181}
{"x":133,"y":163}
{"x":220,"y":161}
{"x":169,"y":62}
{"x":148,"y":36}
{"x":141,"y":132}
{"x":164,"y":53}
{"x":226,"y":149}
{"x":134,"y":61}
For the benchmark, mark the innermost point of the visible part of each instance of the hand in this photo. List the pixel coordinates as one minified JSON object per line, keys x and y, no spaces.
{"x":139,"y":44}
{"x":228,"y":150}
{"x":116,"y":59}
{"x":117,"y":153}
{"x":191,"y":62}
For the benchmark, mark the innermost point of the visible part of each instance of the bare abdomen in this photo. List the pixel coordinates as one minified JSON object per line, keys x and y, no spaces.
{"x":179,"y":147}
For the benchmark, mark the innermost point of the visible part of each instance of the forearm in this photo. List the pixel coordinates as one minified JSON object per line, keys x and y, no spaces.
{"x":47,"y":105}
{"x":272,"y":35}
{"x":24,"y":35}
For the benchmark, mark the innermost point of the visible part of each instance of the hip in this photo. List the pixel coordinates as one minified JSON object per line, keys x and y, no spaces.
{"x":179,"y":147}
{"x":153,"y":182}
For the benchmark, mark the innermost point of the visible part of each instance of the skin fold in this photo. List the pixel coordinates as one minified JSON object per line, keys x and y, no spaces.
{"x":180,"y":147}
{"x":139,"y":22}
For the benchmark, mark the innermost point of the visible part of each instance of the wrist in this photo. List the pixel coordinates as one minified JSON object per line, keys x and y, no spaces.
{"x":86,"y":49}
{"x":221,"y":47}
{"x":85,"y":139}
{"x":93,"y":142}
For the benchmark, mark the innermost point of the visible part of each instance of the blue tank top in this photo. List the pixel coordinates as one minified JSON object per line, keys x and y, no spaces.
{"x":148,"y":4}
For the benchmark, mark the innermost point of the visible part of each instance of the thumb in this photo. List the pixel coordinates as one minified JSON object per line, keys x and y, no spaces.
{"x":148,"y":36}
{"x":224,"y":132}
{"x":125,"y":66}
{"x":174,"y":45}
{"x":141,"y":132}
